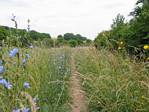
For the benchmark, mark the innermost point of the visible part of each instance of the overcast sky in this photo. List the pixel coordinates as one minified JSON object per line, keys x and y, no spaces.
{"x":86,"y":17}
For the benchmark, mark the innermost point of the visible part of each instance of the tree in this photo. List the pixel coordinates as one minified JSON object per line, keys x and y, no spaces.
{"x":73,"y":43}
{"x":102,"y":40}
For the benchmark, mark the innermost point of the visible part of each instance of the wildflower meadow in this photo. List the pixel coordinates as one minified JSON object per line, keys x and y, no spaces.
{"x":72,"y":73}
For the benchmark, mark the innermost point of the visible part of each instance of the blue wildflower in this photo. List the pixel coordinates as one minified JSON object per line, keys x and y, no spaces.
{"x":13,"y":52}
{"x":31,"y":46}
{"x":5,"y":83}
{"x":2,"y":69}
{"x":22,"y":110}
{"x":27,"y":56}
{"x":8,"y":85}
{"x":26,"y":85}
{"x":24,"y":61}
{"x":26,"y":110}
{"x":16,"y":110}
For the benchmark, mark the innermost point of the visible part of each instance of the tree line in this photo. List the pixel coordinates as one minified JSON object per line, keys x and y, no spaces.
{"x":22,"y":37}
{"x":131,"y":35}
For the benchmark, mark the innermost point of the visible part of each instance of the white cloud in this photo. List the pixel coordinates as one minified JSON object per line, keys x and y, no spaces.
{"x":87,"y":17}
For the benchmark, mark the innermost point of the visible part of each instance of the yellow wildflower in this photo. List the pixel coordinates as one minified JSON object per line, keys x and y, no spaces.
{"x":119,"y":48}
{"x":142,"y":97}
{"x":147,"y":58}
{"x":121,"y":43}
{"x":146,"y":47}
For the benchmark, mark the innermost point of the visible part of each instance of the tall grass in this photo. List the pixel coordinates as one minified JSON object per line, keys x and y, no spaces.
{"x":113,"y":83}
{"x":47,"y":71}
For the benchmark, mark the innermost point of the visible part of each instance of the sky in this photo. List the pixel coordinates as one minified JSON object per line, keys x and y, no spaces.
{"x":85,"y":17}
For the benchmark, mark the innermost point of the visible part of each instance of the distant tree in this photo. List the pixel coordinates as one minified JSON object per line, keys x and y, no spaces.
{"x":48,"y":42}
{"x":69,"y":36}
{"x":21,"y":37}
{"x":59,"y":36}
{"x":73,"y":43}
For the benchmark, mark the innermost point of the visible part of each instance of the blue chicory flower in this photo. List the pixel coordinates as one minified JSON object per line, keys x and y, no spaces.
{"x":5,"y":83}
{"x":8,"y":85}
{"x":31,"y":46}
{"x":16,"y":110}
{"x":13,"y":52}
{"x":24,"y":61}
{"x":22,"y":110}
{"x":27,"y":56}
{"x":26,"y":85}
{"x":26,"y":110}
{"x":2,"y":69}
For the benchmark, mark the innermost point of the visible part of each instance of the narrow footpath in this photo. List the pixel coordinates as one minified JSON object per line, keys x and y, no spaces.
{"x":78,"y":103}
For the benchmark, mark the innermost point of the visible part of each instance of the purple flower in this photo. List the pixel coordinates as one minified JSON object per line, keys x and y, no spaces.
{"x":22,"y":110}
{"x":24,"y":61}
{"x":26,"y":110}
{"x":5,"y":83}
{"x":31,"y":46}
{"x":16,"y":110}
{"x":8,"y":85}
{"x":2,"y":69}
{"x":13,"y":52}
{"x":26,"y":85}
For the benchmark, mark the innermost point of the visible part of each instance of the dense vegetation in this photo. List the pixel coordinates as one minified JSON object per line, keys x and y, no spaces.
{"x":113,"y":83}
{"x":13,"y":37}
{"x":9,"y":35}
{"x":72,"y":40}
{"x":34,"y":79}
{"x":35,"y":69}
{"x":132,"y":35}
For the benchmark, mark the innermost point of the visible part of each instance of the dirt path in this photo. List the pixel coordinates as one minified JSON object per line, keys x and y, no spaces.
{"x":78,"y":96}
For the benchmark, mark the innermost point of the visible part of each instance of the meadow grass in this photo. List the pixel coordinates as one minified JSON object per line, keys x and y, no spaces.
{"x":47,"y":71}
{"x":113,"y":83}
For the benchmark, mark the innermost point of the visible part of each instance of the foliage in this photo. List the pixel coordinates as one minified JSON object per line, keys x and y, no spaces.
{"x":102,"y":40}
{"x":21,"y":37}
{"x":73,"y":43}
{"x":72,"y":40}
{"x":37,"y":80}
{"x":134,"y":34}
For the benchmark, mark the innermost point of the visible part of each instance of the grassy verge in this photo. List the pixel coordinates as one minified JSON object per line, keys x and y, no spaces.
{"x":113,"y":83}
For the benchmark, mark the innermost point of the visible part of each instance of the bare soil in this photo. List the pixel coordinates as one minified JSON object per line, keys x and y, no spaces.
{"x":78,"y":103}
